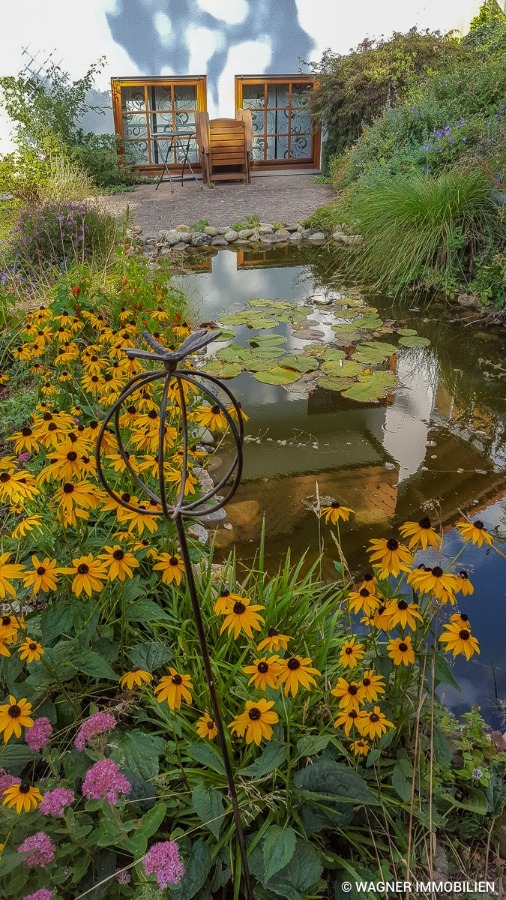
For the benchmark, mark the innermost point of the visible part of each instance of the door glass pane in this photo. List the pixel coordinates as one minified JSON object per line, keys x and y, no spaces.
{"x":185,"y":121}
{"x":253,"y":96}
{"x":300,"y":94}
{"x":185,"y":96}
{"x":160,"y":97}
{"x":135,"y":126}
{"x":192,"y":152}
{"x":136,"y":153}
{"x":160,"y":122}
{"x":277,"y":95}
{"x":257,"y":121}
{"x":270,"y":149}
{"x":258,"y":147}
{"x":300,"y":122}
{"x":270,"y":117}
{"x":301,"y":146}
{"x":132,"y":99}
{"x":282,"y":121}
{"x":282,"y":146}
{"x":159,"y":149}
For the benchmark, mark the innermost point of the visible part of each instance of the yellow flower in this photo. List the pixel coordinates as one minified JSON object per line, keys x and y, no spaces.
{"x":89,"y":575}
{"x":134,"y":678}
{"x":359,"y":747}
{"x":13,"y":716}
{"x":274,"y":641}
{"x":44,"y":575}
{"x":9,"y":627}
{"x":363,"y":601}
{"x":389,"y":557}
{"x":373,"y":724}
{"x":264,"y":672}
{"x":211,"y":417}
{"x":171,"y":566}
{"x":434,"y":581}
{"x":30,"y":650}
{"x":225,"y":602}
{"x":24,"y":441}
{"x":401,"y":651}
{"x":350,"y":693}
{"x":9,"y":572}
{"x":74,"y":499}
{"x":458,"y":639}
{"x":3,"y":648}
{"x":464,"y":586}
{"x":22,"y":797}
{"x":119,"y":563}
{"x":351,"y":653}
{"x":206,"y":727}
{"x":475,"y":532}
{"x":25,"y":525}
{"x":243,"y":616}
{"x":16,"y":487}
{"x":372,"y":685}
{"x":403,"y":614}
{"x":335,"y":512}
{"x":294,"y":671}
{"x":347,"y":719}
{"x":255,"y":723}
{"x":421,"y":533}
{"x":174,"y":688}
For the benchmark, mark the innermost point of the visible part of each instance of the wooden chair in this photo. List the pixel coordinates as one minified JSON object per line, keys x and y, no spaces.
{"x":223,"y":148}
{"x":245,"y":116}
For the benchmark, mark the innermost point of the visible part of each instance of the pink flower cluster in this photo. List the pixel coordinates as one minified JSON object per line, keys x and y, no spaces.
{"x":163,"y":861}
{"x":38,"y":735}
{"x":43,"y":849}
{"x":98,"y":723}
{"x":105,"y":781}
{"x":6,"y":781}
{"x":54,"y":802}
{"x":41,"y":894}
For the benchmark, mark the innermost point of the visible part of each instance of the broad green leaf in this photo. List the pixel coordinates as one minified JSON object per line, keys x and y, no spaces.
{"x":148,"y":826}
{"x":476,"y":802}
{"x":251,"y":319}
{"x":342,"y":368}
{"x":330,"y":354}
{"x":197,"y":869}
{"x":369,"y":322}
{"x":442,"y":749}
{"x":299,"y":363}
{"x":222,"y":369}
{"x":278,"y":849}
{"x":209,"y":806}
{"x":414,"y":341}
{"x":266,"y":340}
{"x":56,"y":620}
{"x":11,"y":861}
{"x":301,"y":873}
{"x":332,"y":383}
{"x":151,"y":655}
{"x":372,"y":757}
{"x":224,"y":336}
{"x":400,"y":783}
{"x":334,"y":781}
{"x":146,"y":611}
{"x":271,"y":758}
{"x":277,"y":375}
{"x":371,"y":388}
{"x":388,"y":349}
{"x":406,"y":332}
{"x":93,"y":664}
{"x":442,"y":672}
{"x":139,"y":752}
{"x":15,"y":757}
{"x":311,"y":744}
{"x":208,"y":756}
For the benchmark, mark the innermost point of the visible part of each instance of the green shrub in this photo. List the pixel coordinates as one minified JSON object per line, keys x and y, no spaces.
{"x":65,"y":181}
{"x":200,"y":225}
{"x":101,"y":157}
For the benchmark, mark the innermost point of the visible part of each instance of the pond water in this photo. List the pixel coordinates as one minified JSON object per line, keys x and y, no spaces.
{"x":436,"y":446}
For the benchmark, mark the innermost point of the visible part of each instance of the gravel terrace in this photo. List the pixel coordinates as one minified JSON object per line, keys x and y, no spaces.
{"x":273,"y":198}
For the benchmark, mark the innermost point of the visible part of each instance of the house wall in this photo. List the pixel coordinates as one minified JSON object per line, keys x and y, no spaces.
{"x":220,"y":38}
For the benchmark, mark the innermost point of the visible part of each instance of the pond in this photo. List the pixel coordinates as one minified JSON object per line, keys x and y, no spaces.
{"x":436,"y":446}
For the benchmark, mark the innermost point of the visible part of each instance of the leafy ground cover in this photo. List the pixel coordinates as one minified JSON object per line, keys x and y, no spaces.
{"x":346,"y":764}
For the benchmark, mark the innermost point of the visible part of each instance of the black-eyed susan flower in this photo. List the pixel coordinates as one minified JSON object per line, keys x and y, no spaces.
{"x":25,"y":441}
{"x":22,"y":797}
{"x":243,"y":616}
{"x":351,"y":653}
{"x":175,"y":478}
{"x":26,"y":525}
{"x":420,"y":534}
{"x":373,"y":723}
{"x":274,"y":641}
{"x":295,"y":671}
{"x":462,"y":619}
{"x":171,"y":566}
{"x":225,"y":602}
{"x":181,"y":329}
{"x":363,"y":601}
{"x":475,"y":532}
{"x":401,"y":651}
{"x":14,"y":716}
{"x":206,"y":727}
{"x":17,"y":487}
{"x":347,"y":719}
{"x":382,"y":618}
{"x":335,"y":512}
{"x":174,"y":688}
{"x":368,"y":581}
{"x":89,"y":575}
{"x":434,"y":581}
{"x":3,"y":649}
{"x":74,"y":499}
{"x":120,"y":563}
{"x":30,"y":650}
{"x":360,"y":747}
{"x":9,"y":572}
{"x":264,"y":672}
{"x":9,"y":627}
{"x":389,"y":557}
{"x":141,"y":519}
{"x":459,"y":639}
{"x":135,"y":678}
{"x":43,"y":576}
{"x":350,"y":693}
{"x":464,"y":586}
{"x":211,"y":417}
{"x":403,"y":614}
{"x":372,"y":685}
{"x":255,"y":723}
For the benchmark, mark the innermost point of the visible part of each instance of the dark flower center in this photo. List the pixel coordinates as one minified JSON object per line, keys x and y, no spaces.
{"x":118,"y":554}
{"x":273,"y":632}
{"x":26,"y":432}
{"x":263,"y":668}
{"x":224,"y":593}
{"x":134,"y":669}
{"x":14,"y":711}
{"x":41,"y":570}
{"x":32,"y":646}
{"x":47,"y":417}
{"x":293,"y":664}
{"x":402,"y":604}
{"x":353,"y":714}
{"x":83,"y":569}
{"x":479,"y":524}
{"x":125,"y":498}
{"x":365,"y":593}
{"x":131,"y":409}
{"x":352,"y":689}
{"x":463,"y":574}
{"x":72,"y":456}
{"x":239,"y":608}
{"x":335,"y":505}
{"x":348,"y":650}
{"x":215,"y":410}
{"x":5,"y":477}
{"x":24,"y":788}
{"x":68,"y":488}
{"x":152,"y":414}
{"x":425,"y":522}
{"x":464,"y":635}
{"x":173,"y":561}
{"x":254,"y":714}
{"x":392,"y":544}
{"x":368,"y":577}
{"x":366,"y":682}
{"x":6,"y":620}
{"x":464,"y":617}
{"x":176,"y":679}
{"x":210,"y":724}
{"x":437,"y":571}
{"x":403,"y":647}
{"x":374,"y":717}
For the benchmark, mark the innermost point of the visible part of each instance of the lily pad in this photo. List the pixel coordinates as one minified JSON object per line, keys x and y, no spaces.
{"x":222,"y":369}
{"x":266,"y":340}
{"x":270,"y":304}
{"x":332,"y":353}
{"x":368,"y":321}
{"x":342,"y":368}
{"x":331,"y":383}
{"x":406,"y":332}
{"x":299,"y":362}
{"x":370,"y":388}
{"x":251,"y":319}
{"x":414,"y":341}
{"x":370,"y":355}
{"x":343,"y":328}
{"x":247,"y":355}
{"x":277,"y":375}
{"x":224,"y":336}
{"x":347,"y":313}
{"x":353,"y":302}
{"x":308,"y":334}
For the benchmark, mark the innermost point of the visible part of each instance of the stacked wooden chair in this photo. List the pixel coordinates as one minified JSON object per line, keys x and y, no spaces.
{"x":225,"y":147}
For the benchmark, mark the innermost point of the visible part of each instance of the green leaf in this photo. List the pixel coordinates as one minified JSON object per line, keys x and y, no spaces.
{"x":139,"y":752}
{"x":331,"y":354}
{"x":442,"y":672}
{"x":299,"y":363}
{"x":414,"y":341}
{"x":277,"y":375}
{"x":311,"y":744}
{"x":10,"y":861}
{"x":342,"y":368}
{"x":476,"y":802}
{"x":207,"y":755}
{"x":400,"y":783}
{"x":14,"y":757}
{"x":209,"y":806}
{"x":370,"y":388}
{"x":302,"y":872}
{"x":369,"y":322}
{"x":387,"y":349}
{"x":278,"y":849}
{"x":442,"y":749}
{"x":56,"y":620}
{"x":372,"y":757}
{"x":406,"y":332}
{"x":225,"y":336}
{"x":146,"y":611}
{"x":149,"y":825}
{"x":335,"y":781}
{"x":332,"y":383}
{"x":197,"y":869}
{"x":370,"y":355}
{"x":222,"y":369}
{"x":271,"y":758}
{"x":150,"y":656}
{"x":94,"y":665}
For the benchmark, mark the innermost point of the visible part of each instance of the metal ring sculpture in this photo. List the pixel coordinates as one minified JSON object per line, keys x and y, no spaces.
{"x":180,"y":509}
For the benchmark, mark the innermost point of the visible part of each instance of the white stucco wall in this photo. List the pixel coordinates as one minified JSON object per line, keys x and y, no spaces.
{"x":220,"y":38}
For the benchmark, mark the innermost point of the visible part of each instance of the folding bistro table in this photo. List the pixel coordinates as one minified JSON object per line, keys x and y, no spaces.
{"x":182,"y":140}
